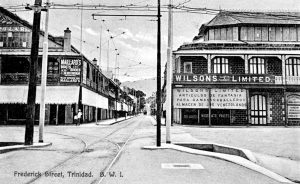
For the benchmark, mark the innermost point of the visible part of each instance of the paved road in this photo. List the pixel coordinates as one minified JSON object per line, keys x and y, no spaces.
{"x":89,"y":151}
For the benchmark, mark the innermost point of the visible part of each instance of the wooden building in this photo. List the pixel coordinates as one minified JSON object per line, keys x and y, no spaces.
{"x":243,"y":68}
{"x":73,"y":81}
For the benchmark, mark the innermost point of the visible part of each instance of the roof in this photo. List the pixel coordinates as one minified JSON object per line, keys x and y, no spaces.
{"x":230,"y":18}
{"x":28,"y":25}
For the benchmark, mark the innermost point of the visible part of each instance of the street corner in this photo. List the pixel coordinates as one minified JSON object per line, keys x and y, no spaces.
{"x":19,"y":146}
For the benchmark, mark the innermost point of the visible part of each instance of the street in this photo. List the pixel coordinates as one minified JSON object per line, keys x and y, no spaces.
{"x":111,"y":154}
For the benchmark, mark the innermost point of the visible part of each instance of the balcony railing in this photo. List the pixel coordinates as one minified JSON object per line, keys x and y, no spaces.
{"x":184,"y":78}
{"x":23,"y":78}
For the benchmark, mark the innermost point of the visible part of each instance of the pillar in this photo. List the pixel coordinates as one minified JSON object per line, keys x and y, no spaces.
{"x":246,"y":64}
{"x":209,"y":107}
{"x":56,"y":115}
{"x":286,"y":122}
{"x":283,"y":57}
{"x":208,"y":63}
{"x":248,"y":107}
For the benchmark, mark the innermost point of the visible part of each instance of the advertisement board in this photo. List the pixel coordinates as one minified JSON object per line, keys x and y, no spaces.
{"x":70,"y":70}
{"x":195,"y":98}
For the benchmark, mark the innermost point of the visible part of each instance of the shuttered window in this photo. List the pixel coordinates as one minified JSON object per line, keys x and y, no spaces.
{"x":292,"y":67}
{"x":258,"y":110}
{"x":257,"y":66}
{"x":220,"y":65}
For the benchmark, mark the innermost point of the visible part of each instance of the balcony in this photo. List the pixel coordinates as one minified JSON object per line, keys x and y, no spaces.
{"x":230,"y":79}
{"x":23,"y":78}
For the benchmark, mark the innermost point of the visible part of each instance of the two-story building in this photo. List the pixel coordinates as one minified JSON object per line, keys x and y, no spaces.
{"x":243,"y":68}
{"x":73,"y":81}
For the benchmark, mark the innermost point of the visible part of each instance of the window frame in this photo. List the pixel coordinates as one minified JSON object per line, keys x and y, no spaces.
{"x":257,"y":66}
{"x":219,"y":64}
{"x":259,"y":109}
{"x":292,"y":65}
{"x":185,"y":67}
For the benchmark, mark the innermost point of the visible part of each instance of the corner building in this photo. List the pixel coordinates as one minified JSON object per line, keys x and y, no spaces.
{"x":243,"y":68}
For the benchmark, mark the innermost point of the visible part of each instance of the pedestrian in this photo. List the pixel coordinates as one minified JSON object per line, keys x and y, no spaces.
{"x":76,"y":119}
{"x":79,"y":114}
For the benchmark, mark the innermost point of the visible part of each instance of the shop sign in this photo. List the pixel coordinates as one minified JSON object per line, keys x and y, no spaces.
{"x":223,"y":78}
{"x":194,"y":98}
{"x":228,"y":99}
{"x":70,"y":70}
{"x":294,"y":107}
{"x":14,"y":29}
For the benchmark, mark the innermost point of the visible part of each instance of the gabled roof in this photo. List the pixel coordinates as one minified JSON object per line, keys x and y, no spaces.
{"x":25,"y":23}
{"x":231,"y":18}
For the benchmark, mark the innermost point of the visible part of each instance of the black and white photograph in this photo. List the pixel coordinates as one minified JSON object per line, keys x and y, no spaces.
{"x":149,"y":91}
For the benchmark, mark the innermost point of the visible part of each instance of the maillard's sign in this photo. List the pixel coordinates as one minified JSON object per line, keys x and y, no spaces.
{"x":223,"y":78}
{"x":195,"y":98}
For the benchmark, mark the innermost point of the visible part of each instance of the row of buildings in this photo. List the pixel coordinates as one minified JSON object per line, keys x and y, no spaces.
{"x":73,"y":81}
{"x":243,"y":68}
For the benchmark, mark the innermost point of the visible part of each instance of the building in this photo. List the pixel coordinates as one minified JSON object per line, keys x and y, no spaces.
{"x":243,"y":68}
{"x":73,"y":81}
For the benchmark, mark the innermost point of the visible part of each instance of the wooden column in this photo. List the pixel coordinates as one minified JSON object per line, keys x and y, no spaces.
{"x":56,"y":116}
{"x":248,"y":107}
{"x":209,"y":107}
{"x":208,"y":63}
{"x":286,"y":122}
{"x":246,"y":64}
{"x":283,"y":57}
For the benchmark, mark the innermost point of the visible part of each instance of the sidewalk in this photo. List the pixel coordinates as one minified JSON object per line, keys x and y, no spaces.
{"x":287,"y":167}
{"x":107,"y":122}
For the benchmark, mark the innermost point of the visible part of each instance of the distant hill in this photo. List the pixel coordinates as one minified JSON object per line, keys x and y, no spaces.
{"x":148,"y":86}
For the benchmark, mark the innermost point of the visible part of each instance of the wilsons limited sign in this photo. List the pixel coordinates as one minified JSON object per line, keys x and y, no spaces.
{"x":223,"y":78}
{"x":195,"y":98}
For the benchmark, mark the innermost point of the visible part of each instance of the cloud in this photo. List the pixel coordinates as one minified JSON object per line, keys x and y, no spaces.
{"x":91,"y":31}
{"x":150,"y":38}
{"x":87,"y":30}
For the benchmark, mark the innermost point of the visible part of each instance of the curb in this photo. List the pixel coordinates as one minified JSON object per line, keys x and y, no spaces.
{"x":99,"y":124}
{"x":231,"y":158}
{"x":19,"y":147}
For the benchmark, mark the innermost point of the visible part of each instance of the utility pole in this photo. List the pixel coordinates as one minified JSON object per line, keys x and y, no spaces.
{"x":169,"y":73}
{"x":158,"y":94}
{"x":100,"y":46}
{"x":30,"y":113}
{"x":44,"y":77}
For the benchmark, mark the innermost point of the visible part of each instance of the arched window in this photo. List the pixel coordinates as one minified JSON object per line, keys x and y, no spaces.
{"x":258,"y":110}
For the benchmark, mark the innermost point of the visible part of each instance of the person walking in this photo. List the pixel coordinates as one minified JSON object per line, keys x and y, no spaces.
{"x":79,"y":115}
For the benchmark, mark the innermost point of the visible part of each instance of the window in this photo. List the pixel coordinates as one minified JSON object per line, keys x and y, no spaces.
{"x":88,"y":71}
{"x":257,"y":66}
{"x":292,"y":67}
{"x":220,"y":65}
{"x":53,"y":66}
{"x":187,"y":67}
{"x":258,"y":110}
{"x":15,"y":39}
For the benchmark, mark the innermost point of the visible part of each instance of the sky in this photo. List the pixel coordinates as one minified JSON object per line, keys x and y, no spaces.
{"x":137,"y":46}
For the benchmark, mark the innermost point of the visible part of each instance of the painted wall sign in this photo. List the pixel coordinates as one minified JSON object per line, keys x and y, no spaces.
{"x":195,"y":98}
{"x":70,"y":70}
{"x":180,"y":78}
{"x":14,"y":29}
{"x":294,"y":112}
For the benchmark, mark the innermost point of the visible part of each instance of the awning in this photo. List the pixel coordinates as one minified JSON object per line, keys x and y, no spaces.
{"x":119,"y":106}
{"x":94,"y":99}
{"x":54,"y":94}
